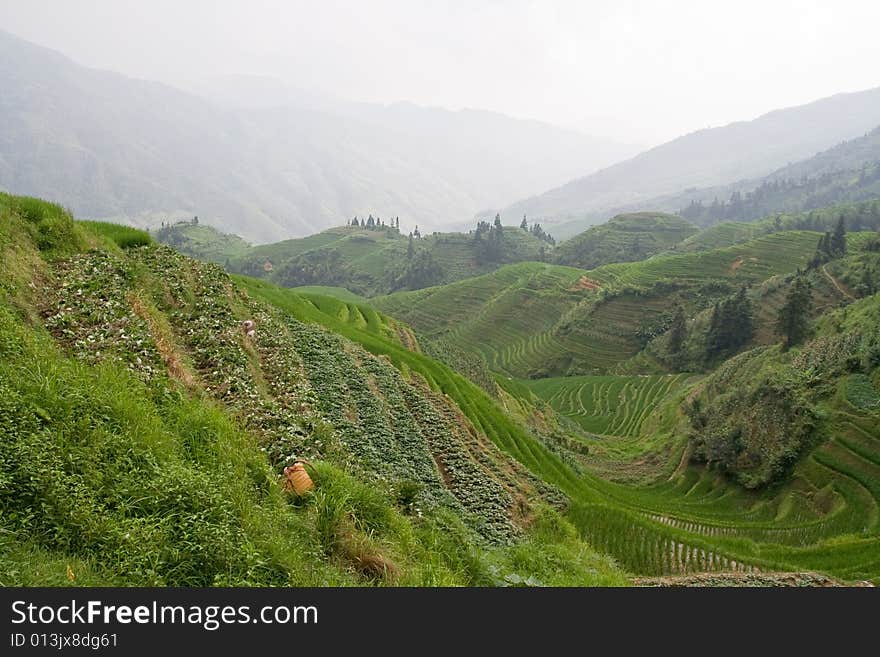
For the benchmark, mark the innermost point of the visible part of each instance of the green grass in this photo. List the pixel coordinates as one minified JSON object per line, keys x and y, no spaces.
{"x":144,"y":431}
{"x":125,"y":237}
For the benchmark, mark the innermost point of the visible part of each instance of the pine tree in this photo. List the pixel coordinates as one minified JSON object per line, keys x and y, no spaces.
{"x":712,"y":337}
{"x":742,"y":320}
{"x":837,"y":242}
{"x":524,"y":224}
{"x":793,"y":322}
{"x":867,"y":282}
{"x":677,"y":332}
{"x":498,"y":221}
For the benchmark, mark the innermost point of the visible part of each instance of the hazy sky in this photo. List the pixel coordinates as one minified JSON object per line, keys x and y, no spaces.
{"x":643,"y":72}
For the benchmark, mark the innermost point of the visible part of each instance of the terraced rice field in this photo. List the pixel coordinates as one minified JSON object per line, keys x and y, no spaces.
{"x":720,"y":236}
{"x":752,"y":261}
{"x":533,"y":319}
{"x":607,"y":405}
{"x":826,"y":518}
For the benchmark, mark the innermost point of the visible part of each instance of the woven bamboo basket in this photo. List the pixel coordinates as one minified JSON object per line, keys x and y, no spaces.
{"x":296,"y":479}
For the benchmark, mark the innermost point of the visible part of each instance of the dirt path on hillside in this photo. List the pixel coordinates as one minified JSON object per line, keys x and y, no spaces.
{"x":837,"y":285}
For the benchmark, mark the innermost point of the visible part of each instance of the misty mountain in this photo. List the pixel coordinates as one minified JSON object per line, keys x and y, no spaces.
{"x":848,"y":172}
{"x":110,"y":146}
{"x":715,"y":156}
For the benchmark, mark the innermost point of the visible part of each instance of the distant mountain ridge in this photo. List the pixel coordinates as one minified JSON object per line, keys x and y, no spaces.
{"x":140,"y":151}
{"x":716,"y":156}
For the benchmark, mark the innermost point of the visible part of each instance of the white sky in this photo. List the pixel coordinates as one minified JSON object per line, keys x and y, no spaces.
{"x":642,"y":72}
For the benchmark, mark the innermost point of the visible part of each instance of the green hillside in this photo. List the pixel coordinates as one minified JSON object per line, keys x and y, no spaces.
{"x":532,"y":320}
{"x":202,"y":242}
{"x":624,"y":238}
{"x":145,"y":433}
{"x":857,"y":216}
{"x":365,"y":261}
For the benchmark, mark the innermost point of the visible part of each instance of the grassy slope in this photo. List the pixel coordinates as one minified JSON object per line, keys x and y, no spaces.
{"x":144,"y":436}
{"x":624,"y":238}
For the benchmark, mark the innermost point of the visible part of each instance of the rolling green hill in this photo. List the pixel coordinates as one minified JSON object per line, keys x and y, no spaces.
{"x":624,"y":238}
{"x":365,"y":261}
{"x":533,"y":320}
{"x":667,"y":516}
{"x":202,"y":242}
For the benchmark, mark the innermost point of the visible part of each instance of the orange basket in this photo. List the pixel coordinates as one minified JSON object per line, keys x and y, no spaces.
{"x":296,"y":479}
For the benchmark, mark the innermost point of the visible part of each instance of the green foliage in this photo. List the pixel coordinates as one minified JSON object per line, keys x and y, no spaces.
{"x":732,"y":326}
{"x":793,"y":322}
{"x":421,"y":477}
{"x":861,"y":392}
{"x":125,"y":237}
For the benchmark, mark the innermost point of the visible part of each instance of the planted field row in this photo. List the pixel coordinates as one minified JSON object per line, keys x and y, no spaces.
{"x":606,"y":405}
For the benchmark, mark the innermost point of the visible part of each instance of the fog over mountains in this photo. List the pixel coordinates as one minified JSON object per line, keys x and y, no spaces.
{"x":715,"y":156}
{"x":260,"y":159}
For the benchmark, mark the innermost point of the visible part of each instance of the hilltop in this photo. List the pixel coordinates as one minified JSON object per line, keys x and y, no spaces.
{"x":364,"y":260}
{"x":202,"y":241}
{"x":624,"y":238}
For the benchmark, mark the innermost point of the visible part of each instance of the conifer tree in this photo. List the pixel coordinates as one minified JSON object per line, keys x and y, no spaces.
{"x":837,"y":241}
{"x":793,"y":322}
{"x":677,"y":332}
